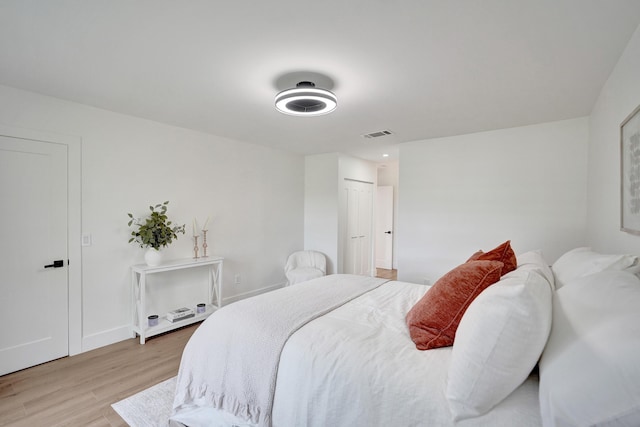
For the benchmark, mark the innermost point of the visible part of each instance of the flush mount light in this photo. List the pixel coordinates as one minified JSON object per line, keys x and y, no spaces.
{"x":306,"y":100}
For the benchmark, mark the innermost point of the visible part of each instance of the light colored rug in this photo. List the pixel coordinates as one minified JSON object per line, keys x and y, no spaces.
{"x":150,"y":407}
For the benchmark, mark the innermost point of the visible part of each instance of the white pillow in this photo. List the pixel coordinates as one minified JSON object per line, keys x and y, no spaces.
{"x":498,"y":343}
{"x":581,"y":262}
{"x":533,"y":260}
{"x":590,"y":368}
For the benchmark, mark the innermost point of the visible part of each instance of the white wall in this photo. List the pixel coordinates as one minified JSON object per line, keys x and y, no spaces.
{"x":321,"y":207}
{"x":470,"y":192}
{"x":618,"y":98}
{"x":255,"y":193}
{"x":389,"y":175}
{"x":324,"y":202}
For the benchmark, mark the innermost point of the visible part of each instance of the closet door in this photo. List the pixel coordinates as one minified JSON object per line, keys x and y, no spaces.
{"x":359,"y":218}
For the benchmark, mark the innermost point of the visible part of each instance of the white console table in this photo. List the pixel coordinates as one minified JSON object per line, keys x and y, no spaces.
{"x":139,"y":275}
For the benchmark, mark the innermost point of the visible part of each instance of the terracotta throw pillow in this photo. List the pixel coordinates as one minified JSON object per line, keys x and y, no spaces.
{"x":502,"y":253}
{"x":434,"y":319}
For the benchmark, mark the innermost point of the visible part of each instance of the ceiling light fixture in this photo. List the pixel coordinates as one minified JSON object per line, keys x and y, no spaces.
{"x":306,"y":100}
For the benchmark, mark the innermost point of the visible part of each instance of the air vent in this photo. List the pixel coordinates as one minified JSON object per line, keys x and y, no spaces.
{"x":377,"y":134}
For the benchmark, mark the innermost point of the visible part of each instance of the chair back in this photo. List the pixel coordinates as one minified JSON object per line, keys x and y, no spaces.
{"x":303,"y":259}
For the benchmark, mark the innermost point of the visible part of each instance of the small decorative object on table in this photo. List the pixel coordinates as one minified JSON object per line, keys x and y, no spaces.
{"x":195,"y":247}
{"x":154,"y":232}
{"x":204,"y":243}
{"x":201,"y":308}
{"x":153,"y":320}
{"x":180,"y":314}
{"x":204,"y":238}
{"x":195,"y":240}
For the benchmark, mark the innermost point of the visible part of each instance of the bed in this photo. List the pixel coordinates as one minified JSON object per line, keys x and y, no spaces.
{"x":353,"y":361}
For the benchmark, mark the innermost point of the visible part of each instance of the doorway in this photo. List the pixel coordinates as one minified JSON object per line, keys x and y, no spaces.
{"x":384,"y":227}
{"x":386,"y":220}
{"x":40,"y":190}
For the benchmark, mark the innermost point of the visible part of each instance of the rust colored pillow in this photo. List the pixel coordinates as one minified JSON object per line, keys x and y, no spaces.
{"x":434,"y":319}
{"x":502,"y":253}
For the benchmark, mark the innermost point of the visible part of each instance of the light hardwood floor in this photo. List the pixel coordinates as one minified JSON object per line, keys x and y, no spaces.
{"x":387,"y":274}
{"x":79,"y":390}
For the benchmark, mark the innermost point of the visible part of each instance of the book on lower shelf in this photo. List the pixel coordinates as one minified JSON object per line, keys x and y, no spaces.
{"x":180,"y":314}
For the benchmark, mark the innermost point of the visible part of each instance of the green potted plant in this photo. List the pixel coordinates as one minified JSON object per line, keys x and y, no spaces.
{"x":154,"y":232}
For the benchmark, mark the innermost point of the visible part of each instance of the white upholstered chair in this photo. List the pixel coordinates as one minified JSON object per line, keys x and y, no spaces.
{"x":305,"y":265}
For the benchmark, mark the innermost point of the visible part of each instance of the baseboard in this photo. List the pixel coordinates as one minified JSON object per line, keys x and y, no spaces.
{"x":110,"y":336}
{"x":121,"y":333}
{"x":238,"y":297}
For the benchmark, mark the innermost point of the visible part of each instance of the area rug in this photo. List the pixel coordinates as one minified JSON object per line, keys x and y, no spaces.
{"x":150,"y":407}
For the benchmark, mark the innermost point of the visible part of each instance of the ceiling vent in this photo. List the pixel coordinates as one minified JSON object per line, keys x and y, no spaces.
{"x":377,"y":134}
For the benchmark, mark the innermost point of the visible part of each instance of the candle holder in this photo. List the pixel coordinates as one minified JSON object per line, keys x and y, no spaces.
{"x":204,"y":243}
{"x":195,"y":247}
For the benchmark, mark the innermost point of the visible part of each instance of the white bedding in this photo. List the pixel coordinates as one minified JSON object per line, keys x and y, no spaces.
{"x":231,"y":361}
{"x":357,"y":366}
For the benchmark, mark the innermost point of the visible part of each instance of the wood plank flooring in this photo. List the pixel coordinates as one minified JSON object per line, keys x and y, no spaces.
{"x":79,"y":390}
{"x":387,"y":274}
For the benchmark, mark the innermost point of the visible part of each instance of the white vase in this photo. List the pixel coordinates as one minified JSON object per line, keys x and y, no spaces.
{"x":153,"y":257}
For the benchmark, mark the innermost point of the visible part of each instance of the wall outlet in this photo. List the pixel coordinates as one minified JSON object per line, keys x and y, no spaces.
{"x":236,"y":279}
{"x":86,"y":240}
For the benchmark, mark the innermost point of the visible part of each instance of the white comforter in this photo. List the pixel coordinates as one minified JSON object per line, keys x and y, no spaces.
{"x":357,"y":366}
{"x":231,"y":362}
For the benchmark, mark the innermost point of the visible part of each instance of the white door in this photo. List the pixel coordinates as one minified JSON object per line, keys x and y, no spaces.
{"x":384,"y":227}
{"x":359,"y":213}
{"x":34,"y":305}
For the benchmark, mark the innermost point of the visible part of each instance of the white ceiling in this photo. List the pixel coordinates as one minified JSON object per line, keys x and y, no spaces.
{"x":420,"y":68}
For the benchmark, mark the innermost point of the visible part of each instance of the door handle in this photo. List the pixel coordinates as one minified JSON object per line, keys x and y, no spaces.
{"x":56,"y":264}
{"x":387,"y":232}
